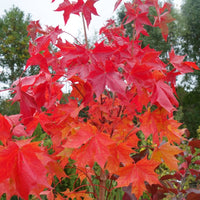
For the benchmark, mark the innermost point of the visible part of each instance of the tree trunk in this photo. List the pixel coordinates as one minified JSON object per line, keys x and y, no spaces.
{"x":102,"y":184}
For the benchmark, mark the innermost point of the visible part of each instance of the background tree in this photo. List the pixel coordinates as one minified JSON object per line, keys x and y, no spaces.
{"x":190,"y":12}
{"x":190,"y":45}
{"x":13,"y":44}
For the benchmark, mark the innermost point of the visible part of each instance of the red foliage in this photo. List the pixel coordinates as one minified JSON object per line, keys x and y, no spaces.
{"x":118,"y":90}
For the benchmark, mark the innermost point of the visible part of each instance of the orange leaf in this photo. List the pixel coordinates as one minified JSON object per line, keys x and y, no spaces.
{"x":166,"y":153}
{"x":136,"y":174}
{"x":172,"y":132}
{"x":159,"y":124}
{"x":77,"y":195}
{"x":19,"y":162}
{"x":83,"y":135}
{"x":119,"y":154}
{"x":84,"y":172}
{"x":95,"y":150}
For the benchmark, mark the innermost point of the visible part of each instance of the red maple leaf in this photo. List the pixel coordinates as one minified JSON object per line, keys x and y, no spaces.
{"x":82,"y":136}
{"x":95,"y":150}
{"x":34,"y":28}
{"x":163,"y":94}
{"x":19,"y":162}
{"x":67,"y":7}
{"x":5,"y":129}
{"x":159,"y":123}
{"x":117,"y":4}
{"x":18,"y":129}
{"x":118,"y":89}
{"x":50,"y":35}
{"x":136,"y":174}
{"x":81,"y":90}
{"x":28,"y":105}
{"x":35,"y":92}
{"x":86,"y":8}
{"x":180,"y":65}
{"x":100,"y":78}
{"x":38,"y":59}
{"x":163,"y":18}
{"x":140,"y":18}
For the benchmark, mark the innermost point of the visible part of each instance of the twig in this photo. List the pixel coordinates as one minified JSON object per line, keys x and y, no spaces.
{"x":85,"y":33}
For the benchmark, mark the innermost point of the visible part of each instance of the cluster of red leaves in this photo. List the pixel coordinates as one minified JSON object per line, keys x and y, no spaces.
{"x":121,"y":88}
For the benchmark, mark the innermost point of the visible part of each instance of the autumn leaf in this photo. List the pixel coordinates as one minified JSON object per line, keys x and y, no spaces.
{"x":180,"y":65}
{"x":119,"y":154}
{"x":18,"y":129}
{"x":139,"y":16}
{"x":43,"y":41}
{"x":117,"y":4}
{"x":136,"y":174}
{"x":67,"y":7}
{"x":166,"y":153}
{"x":118,"y":87}
{"x":172,"y":131}
{"x":28,"y":105}
{"x":81,"y":136}
{"x":33,"y":28}
{"x":81,"y":89}
{"x":160,"y":124}
{"x":5,"y":129}
{"x":38,"y":59}
{"x":150,"y":122}
{"x":19,"y":161}
{"x":79,"y":195}
{"x":163,"y":94}
{"x":86,"y":8}
{"x":8,"y":187}
{"x":164,"y":17}
{"x":109,"y":77}
{"x":95,"y":150}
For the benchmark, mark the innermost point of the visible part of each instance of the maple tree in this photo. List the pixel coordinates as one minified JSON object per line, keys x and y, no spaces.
{"x":119,"y":91}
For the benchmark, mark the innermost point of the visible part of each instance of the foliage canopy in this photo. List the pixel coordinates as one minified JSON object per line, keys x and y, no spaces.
{"x":121,"y":92}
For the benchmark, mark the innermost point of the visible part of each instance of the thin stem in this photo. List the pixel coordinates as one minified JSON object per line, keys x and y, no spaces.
{"x":90,"y":180}
{"x":74,"y":85}
{"x":85,"y":33}
{"x":119,"y":112}
{"x":5,"y":90}
{"x":128,"y":134}
{"x":73,"y":37}
{"x":108,"y":194}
